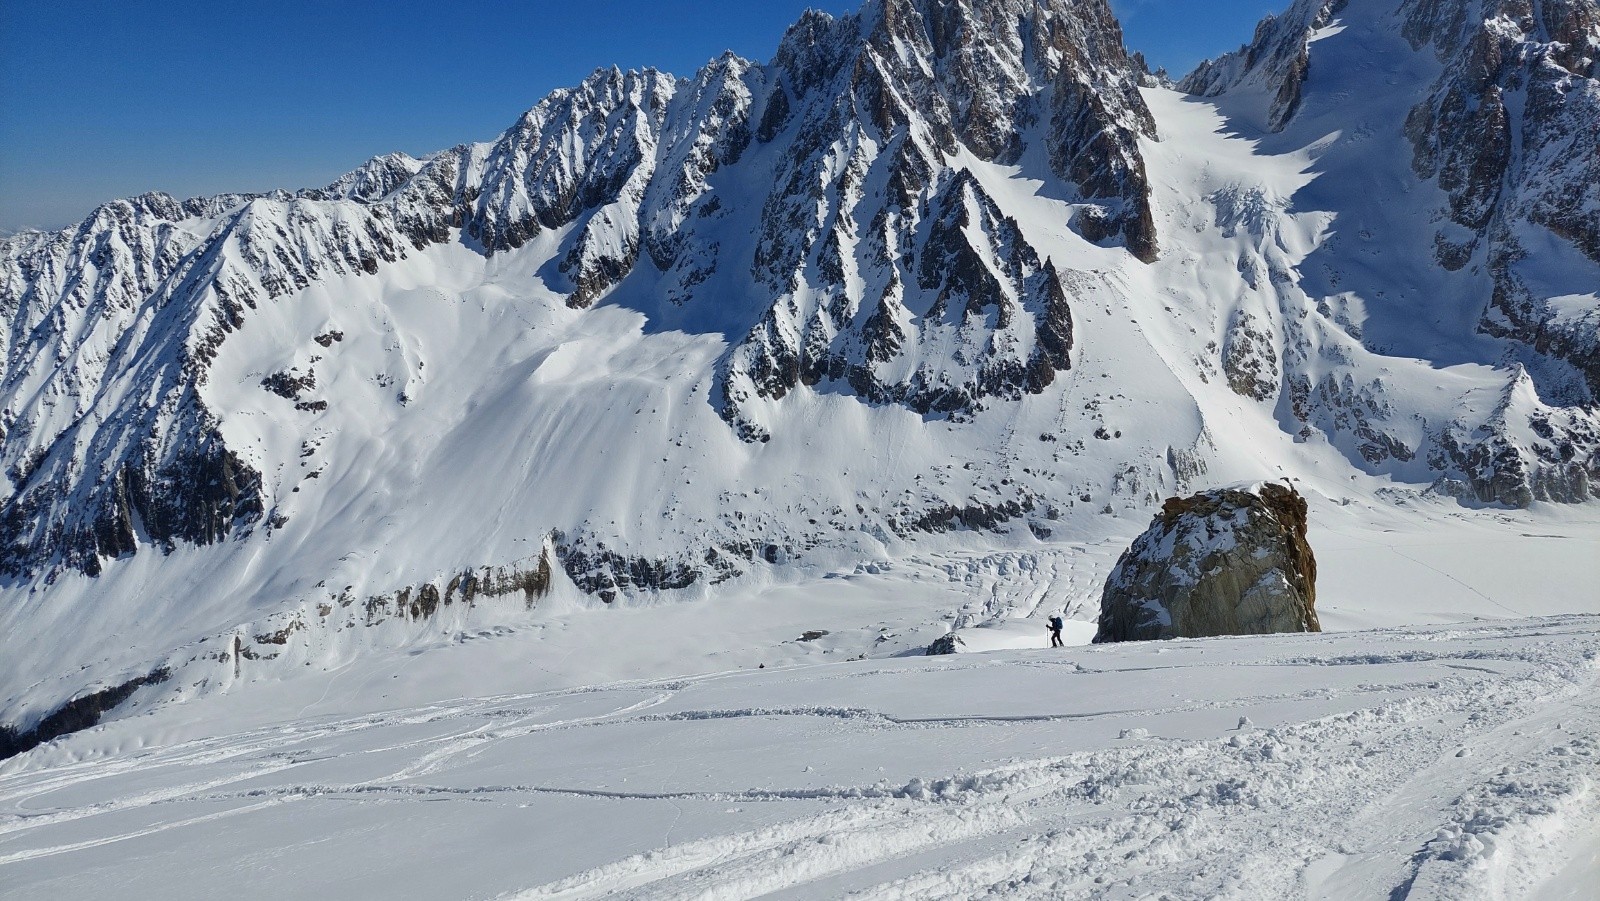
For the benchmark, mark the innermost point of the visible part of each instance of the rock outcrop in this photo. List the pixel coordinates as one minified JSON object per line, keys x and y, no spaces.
{"x":80,"y":713}
{"x":1223,"y":562}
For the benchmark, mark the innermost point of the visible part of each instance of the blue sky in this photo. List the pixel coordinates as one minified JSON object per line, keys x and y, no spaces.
{"x":103,"y":99}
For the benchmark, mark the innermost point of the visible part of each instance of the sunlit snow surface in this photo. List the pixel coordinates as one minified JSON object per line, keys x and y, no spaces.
{"x":648,"y":753}
{"x":1458,"y":762}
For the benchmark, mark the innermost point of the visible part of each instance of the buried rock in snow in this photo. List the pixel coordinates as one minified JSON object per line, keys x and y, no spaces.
{"x":1223,"y":562}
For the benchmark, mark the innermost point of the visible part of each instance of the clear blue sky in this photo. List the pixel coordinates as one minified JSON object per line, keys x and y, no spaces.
{"x":102,"y":99}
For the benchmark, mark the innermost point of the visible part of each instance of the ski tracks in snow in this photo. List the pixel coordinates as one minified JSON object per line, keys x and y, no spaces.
{"x":1431,"y":764}
{"x":1183,"y":820}
{"x":1336,"y":807}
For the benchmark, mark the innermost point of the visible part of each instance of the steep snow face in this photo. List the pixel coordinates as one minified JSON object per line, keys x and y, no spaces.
{"x":895,"y":288}
{"x":1274,"y":64}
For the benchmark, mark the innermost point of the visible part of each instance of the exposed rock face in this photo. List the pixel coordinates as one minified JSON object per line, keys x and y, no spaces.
{"x":604,"y":573}
{"x":1223,"y":562}
{"x":77,"y":714}
{"x":1508,"y":132}
{"x":1249,"y":359}
{"x":1277,"y":59}
{"x":923,"y":294}
{"x":1561,"y":463}
{"x":420,"y":602}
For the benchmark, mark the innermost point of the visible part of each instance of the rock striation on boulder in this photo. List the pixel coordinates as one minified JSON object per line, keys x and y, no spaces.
{"x":1224,"y":562}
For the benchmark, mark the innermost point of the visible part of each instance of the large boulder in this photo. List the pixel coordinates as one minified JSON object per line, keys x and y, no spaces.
{"x":1223,"y":562}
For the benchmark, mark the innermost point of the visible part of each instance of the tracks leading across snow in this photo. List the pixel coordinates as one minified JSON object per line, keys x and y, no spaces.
{"x":1428,"y":763}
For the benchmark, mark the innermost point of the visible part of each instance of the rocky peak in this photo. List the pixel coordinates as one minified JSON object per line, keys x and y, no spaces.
{"x":862,"y":283}
{"x":1277,"y":59}
{"x":985,"y":75}
{"x":813,"y":50}
{"x":577,"y":150}
{"x":372,"y":181}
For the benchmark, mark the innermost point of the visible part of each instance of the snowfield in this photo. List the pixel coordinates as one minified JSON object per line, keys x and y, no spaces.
{"x":589,"y":753}
{"x":1436,"y":763}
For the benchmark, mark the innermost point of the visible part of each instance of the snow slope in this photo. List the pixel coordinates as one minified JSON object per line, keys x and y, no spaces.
{"x":1433,"y":762}
{"x":791,"y":741}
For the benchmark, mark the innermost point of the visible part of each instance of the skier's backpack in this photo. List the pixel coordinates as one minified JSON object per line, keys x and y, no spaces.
{"x":1055,"y":624}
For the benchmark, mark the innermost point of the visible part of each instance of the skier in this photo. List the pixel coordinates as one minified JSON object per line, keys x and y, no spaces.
{"x":1055,"y":630}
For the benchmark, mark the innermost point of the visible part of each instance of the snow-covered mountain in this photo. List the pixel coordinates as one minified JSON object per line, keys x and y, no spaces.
{"x":1505,"y":128}
{"x":940,"y":274}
